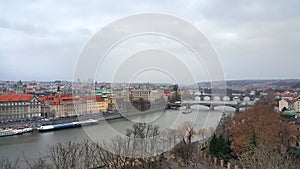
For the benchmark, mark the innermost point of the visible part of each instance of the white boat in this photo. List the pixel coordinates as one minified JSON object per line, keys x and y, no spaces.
{"x":27,"y":129}
{"x":187,"y":111}
{"x":66,"y":125}
{"x":17,"y":131}
{"x":11,"y":132}
{"x":88,"y":122}
{"x":8,"y":132}
{"x":45,"y":128}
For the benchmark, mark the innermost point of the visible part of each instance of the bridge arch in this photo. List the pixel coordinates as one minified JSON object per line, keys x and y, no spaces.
{"x":197,"y":98}
{"x":246,"y":99}
{"x":206,"y":98}
{"x":226,"y":98}
{"x":236,"y":98}
{"x":200,"y":107}
{"x":217,"y":98}
{"x":224,"y":108}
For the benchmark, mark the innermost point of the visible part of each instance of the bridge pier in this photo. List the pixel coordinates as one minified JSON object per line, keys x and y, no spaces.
{"x":211,"y":107}
{"x":237,"y":109}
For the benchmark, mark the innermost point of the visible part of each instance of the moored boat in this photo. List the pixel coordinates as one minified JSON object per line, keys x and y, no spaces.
{"x":12,"y":131}
{"x":187,"y":111}
{"x":66,"y":125}
{"x":27,"y":129}
{"x":6,"y":132}
{"x":88,"y":122}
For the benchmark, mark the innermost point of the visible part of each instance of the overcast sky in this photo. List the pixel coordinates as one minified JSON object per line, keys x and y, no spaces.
{"x":41,"y":40}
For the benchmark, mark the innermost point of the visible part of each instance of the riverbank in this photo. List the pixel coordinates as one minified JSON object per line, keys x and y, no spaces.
{"x":34,"y":124}
{"x":97,"y":116}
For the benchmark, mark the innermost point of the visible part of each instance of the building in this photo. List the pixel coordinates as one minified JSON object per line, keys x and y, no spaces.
{"x":63,"y":105}
{"x":46,"y":111}
{"x":140,"y":94}
{"x":102,"y":103}
{"x":297,"y":106}
{"x":289,"y":113}
{"x":91,"y":104}
{"x":19,"y":106}
{"x":287,"y":104}
{"x":68,"y":106}
{"x":111,"y":104}
{"x":45,"y":106}
{"x":156,"y":95}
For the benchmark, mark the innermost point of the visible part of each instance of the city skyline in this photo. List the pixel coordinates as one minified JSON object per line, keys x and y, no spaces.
{"x":254,"y":39}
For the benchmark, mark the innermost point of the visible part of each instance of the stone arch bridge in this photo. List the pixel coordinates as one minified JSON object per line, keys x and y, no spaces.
{"x":218,"y":97}
{"x":211,"y":104}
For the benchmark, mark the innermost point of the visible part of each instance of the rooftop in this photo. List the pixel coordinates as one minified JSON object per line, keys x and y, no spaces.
{"x":289,"y":113}
{"x":15,"y":97}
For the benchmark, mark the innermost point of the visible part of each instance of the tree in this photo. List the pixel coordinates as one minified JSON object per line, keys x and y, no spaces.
{"x":7,"y":164}
{"x":203,"y":133}
{"x":260,"y":127}
{"x":219,"y":147}
{"x":184,"y":151}
{"x":186,"y":132}
{"x":262,"y":158}
{"x":142,"y":130}
{"x":213,"y":145}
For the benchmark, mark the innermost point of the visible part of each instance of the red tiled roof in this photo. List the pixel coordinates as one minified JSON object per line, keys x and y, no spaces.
{"x":99,"y":99}
{"x":69,"y":98}
{"x":90,"y":98}
{"x":290,"y":101}
{"x":58,"y":100}
{"x":55,"y":101}
{"x":41,"y":99}
{"x":14,"y":98}
{"x":65,"y":95}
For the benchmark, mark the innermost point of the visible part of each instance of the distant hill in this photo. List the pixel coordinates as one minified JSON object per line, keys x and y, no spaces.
{"x":295,"y":83}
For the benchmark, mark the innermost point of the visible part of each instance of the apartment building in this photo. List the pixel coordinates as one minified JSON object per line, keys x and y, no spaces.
{"x":297,"y":106}
{"x":19,"y":106}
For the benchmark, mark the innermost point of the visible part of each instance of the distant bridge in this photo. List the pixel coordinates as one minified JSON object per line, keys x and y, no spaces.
{"x":218,"y":97}
{"x":211,"y":104}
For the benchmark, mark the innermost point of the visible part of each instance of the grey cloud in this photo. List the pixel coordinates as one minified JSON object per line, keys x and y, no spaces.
{"x":264,"y":33}
{"x":22,"y":26}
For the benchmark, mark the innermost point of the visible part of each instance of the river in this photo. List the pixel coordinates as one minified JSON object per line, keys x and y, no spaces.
{"x":35,"y":143}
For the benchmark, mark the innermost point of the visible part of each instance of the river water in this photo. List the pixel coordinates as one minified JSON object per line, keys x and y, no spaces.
{"x":35,"y":143}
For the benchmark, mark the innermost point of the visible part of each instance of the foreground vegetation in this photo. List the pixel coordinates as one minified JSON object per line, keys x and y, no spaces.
{"x":258,"y":138}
